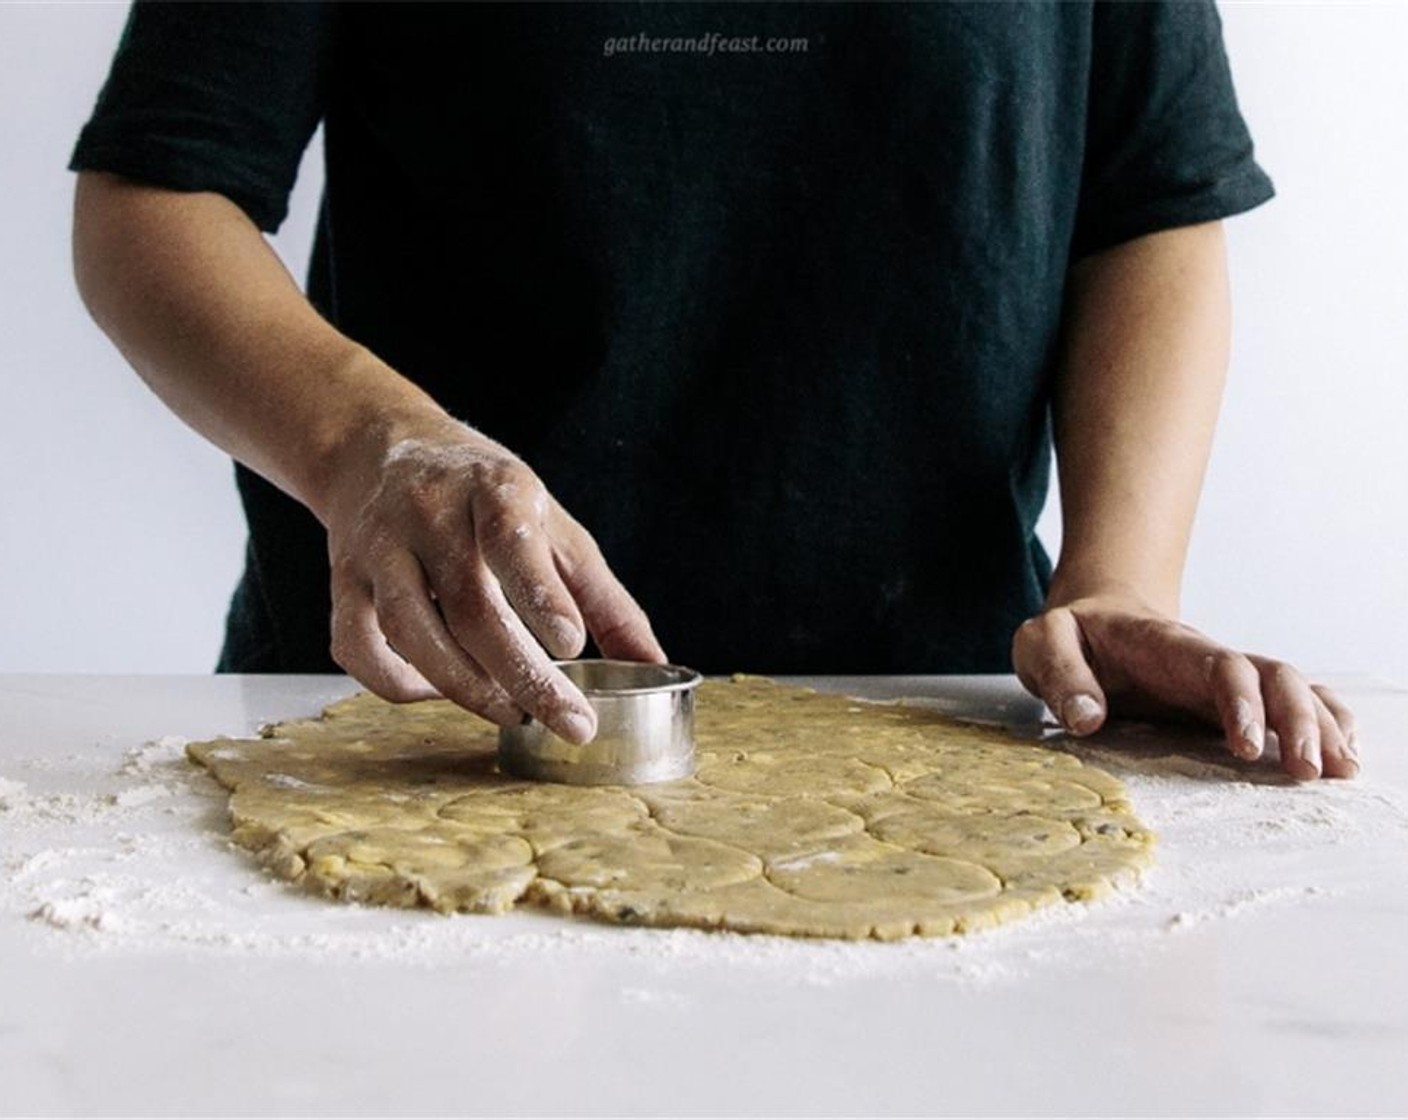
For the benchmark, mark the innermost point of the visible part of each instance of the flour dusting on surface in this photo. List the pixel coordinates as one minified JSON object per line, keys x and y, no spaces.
{"x":12,"y":796}
{"x":138,"y":861}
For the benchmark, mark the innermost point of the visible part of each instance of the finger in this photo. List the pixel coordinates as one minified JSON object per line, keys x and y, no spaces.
{"x":1049,"y":657}
{"x":1291,"y":713}
{"x":414,"y":626}
{"x":1343,"y":717}
{"x":361,"y":649}
{"x":1338,"y":750}
{"x":510,"y":535}
{"x":483,"y":623}
{"x":615,"y":620}
{"x":1236,"y":693}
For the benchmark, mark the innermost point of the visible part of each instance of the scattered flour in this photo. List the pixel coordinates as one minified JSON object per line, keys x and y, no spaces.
{"x":12,"y":796}
{"x":167,"y":752}
{"x":140,"y":795}
{"x":138,"y":861}
{"x":1241,"y":901}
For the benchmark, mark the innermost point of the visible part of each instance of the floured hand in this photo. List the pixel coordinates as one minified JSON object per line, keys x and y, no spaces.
{"x":455,"y":572}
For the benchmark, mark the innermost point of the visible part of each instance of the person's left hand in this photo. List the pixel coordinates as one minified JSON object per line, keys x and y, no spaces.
{"x":1103,"y":654}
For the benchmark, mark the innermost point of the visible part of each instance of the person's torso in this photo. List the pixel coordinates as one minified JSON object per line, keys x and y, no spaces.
{"x":776,"y":325}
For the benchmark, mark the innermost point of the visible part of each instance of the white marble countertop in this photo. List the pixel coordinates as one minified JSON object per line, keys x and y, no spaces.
{"x":146,"y":968}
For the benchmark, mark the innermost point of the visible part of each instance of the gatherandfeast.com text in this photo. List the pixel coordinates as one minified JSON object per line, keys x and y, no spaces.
{"x":708,"y":45}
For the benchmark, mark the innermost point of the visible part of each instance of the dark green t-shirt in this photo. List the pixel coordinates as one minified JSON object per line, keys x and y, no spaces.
{"x":777,"y":325}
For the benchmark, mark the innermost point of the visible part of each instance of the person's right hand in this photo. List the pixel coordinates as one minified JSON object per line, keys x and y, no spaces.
{"x":455,"y":572}
{"x":445,"y":548}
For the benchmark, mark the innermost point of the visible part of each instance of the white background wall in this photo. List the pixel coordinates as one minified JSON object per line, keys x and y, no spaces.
{"x":120,"y":534}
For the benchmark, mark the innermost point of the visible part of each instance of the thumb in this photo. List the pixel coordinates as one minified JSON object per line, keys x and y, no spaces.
{"x":1048,"y":656}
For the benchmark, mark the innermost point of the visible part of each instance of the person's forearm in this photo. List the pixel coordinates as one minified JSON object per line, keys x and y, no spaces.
{"x":1140,"y":382}
{"x":201,"y":306}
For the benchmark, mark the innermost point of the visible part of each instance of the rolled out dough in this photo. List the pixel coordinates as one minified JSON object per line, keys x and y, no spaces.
{"x":811,"y":815}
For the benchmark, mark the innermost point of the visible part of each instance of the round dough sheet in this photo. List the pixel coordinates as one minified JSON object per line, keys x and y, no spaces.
{"x":811,"y":815}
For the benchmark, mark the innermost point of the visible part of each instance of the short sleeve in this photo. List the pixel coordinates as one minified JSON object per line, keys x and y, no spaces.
{"x":1166,"y":144}
{"x":212,"y":97}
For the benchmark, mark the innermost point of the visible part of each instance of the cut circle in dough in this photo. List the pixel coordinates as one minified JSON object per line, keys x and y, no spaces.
{"x":810,"y":815}
{"x":859,"y":869}
{"x":655,"y":860}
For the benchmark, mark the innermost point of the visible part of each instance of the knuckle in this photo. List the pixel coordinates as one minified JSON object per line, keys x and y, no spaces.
{"x":397,"y":612}
{"x":1215,"y":671}
{"x":1027,"y":651}
{"x":1037,"y":635}
{"x":536,"y":495}
{"x":350,"y":558}
{"x":504,"y":479}
{"x":1032,"y":629}
{"x":536,"y":692}
{"x":352,"y":654}
{"x":345,"y":644}
{"x":390,"y":687}
{"x":342,"y":658}
{"x":1228,"y":669}
{"x":503,"y":529}
{"x":424,"y":499}
{"x":342,"y":650}
{"x":1282,"y":675}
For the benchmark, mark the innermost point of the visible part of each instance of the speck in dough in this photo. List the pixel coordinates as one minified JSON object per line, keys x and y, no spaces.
{"x":812,"y":815}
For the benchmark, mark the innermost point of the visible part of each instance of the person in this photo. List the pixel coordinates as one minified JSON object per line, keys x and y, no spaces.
{"x":770,"y":313}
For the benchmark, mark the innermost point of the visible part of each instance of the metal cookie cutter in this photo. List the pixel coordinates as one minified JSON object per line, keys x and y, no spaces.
{"x":645,"y":729}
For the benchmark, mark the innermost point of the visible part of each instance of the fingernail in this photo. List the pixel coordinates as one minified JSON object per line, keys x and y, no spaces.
{"x":579,"y":726}
{"x":1305,"y":751}
{"x":1080,"y":711}
{"x":1351,"y":746}
{"x":1253,"y":740}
